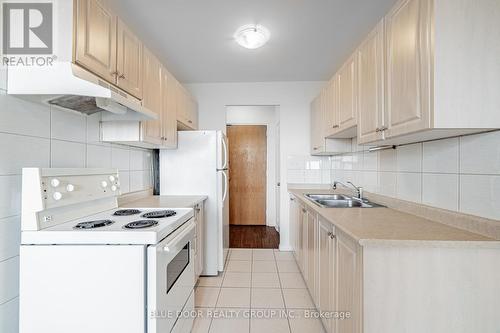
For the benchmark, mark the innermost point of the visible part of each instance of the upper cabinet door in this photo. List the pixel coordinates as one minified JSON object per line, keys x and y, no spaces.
{"x":152,"y":97}
{"x":129,"y":61}
{"x":169,"y":109}
{"x":371,"y":86}
{"x":408,"y":28}
{"x":95,"y":39}
{"x":347,"y":112}
{"x":331,"y":110}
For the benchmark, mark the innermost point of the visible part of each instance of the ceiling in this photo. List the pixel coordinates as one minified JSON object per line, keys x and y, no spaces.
{"x":309,"y":38}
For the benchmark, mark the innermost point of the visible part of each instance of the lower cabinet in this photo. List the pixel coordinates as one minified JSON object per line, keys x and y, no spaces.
{"x":331,"y":265}
{"x":199,"y":219}
{"x":349,"y":283}
{"x":326,"y":271}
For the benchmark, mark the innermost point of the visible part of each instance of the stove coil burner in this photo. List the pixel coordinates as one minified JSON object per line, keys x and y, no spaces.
{"x":159,"y":214}
{"x":141,"y":224}
{"x":126,"y":212}
{"x":93,"y":224}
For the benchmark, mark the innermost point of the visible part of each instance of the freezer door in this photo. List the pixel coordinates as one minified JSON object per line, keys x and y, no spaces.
{"x":223,"y":210}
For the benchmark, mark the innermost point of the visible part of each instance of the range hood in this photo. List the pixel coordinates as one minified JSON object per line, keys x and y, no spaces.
{"x":71,"y":87}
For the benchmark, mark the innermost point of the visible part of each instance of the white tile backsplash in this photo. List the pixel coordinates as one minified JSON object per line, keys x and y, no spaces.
{"x":9,"y":279}
{"x":120,"y":157}
{"x":458,"y":174}
{"x":440,"y":190}
{"x":409,"y":158}
{"x":26,"y":117}
{"x":10,"y":195}
{"x":409,"y":186}
{"x":10,"y":237}
{"x":479,"y":195}
{"x":68,"y":125}
{"x":441,"y":156}
{"x":9,"y":316}
{"x":480,"y":154}
{"x":98,"y":156}
{"x":18,"y":151}
{"x":66,"y":154}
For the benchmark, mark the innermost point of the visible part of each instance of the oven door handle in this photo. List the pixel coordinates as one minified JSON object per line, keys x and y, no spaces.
{"x":172,"y":245}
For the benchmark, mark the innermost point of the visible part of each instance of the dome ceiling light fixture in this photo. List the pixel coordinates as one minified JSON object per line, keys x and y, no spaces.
{"x":252,"y":36}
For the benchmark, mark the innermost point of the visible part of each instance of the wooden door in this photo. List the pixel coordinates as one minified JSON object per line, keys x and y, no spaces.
{"x":129,"y":61}
{"x":348,"y":289}
{"x":408,"y":30}
{"x":371,"y":86}
{"x":152,"y":97}
{"x":326,"y":264}
{"x":247,"y":186}
{"x":95,"y":39}
{"x":169,"y":109}
{"x":347,"y":112}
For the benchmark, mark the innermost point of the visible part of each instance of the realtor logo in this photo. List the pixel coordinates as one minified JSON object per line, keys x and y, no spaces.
{"x":27,"y":28}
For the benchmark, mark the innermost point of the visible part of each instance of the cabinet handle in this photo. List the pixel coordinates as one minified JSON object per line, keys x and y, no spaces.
{"x":377,"y":130}
{"x":331,"y":235}
{"x":315,"y":148}
{"x":292,"y":199}
{"x":190,"y":121}
{"x":115,"y":73}
{"x":335,"y":126}
{"x":122,"y":76}
{"x":384,"y":128}
{"x":304,"y":211}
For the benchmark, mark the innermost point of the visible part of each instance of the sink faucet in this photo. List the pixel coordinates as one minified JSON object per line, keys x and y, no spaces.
{"x":358,"y":189}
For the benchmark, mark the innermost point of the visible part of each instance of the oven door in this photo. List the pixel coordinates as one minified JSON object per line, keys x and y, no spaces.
{"x":170,"y":278}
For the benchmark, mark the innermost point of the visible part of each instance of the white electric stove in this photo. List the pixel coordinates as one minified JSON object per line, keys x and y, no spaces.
{"x":88,"y":265}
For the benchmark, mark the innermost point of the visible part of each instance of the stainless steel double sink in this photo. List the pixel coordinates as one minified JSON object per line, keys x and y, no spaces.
{"x":340,"y":201}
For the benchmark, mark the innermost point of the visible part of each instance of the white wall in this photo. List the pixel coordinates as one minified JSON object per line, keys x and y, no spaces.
{"x":261,"y":115}
{"x":292,"y":97}
{"x":36,"y":135}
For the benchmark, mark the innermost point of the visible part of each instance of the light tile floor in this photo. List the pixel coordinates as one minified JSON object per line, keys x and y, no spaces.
{"x":259,"y":292}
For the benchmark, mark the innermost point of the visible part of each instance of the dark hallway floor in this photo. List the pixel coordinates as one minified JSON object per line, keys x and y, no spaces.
{"x":253,"y":236}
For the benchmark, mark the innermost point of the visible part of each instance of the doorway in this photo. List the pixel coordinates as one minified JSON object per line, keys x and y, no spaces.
{"x":261,"y":232}
{"x":247,"y":170}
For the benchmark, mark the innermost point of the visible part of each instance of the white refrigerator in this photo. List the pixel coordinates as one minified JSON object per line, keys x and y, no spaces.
{"x":199,"y":166}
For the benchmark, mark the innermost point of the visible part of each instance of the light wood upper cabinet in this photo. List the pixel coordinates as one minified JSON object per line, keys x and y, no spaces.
{"x":347,"y":110}
{"x":331,"y":108}
{"x":187,"y":110}
{"x":129,"y":61}
{"x":95,"y":38}
{"x":169,"y":109}
{"x":408,"y":27}
{"x":370,"y":57}
{"x":152,"y":97}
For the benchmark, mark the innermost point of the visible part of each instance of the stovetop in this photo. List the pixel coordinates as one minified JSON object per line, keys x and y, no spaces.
{"x":116,"y":226}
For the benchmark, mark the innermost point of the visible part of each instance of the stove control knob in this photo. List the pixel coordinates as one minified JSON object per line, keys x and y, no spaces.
{"x":57,"y":196}
{"x":114,"y":188}
{"x":70,"y":187}
{"x":104,"y":184}
{"x":55,"y":182}
{"x":112,"y":178}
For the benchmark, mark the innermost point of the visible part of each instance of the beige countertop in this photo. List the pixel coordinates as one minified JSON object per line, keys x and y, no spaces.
{"x":166,"y":201}
{"x":373,"y":225}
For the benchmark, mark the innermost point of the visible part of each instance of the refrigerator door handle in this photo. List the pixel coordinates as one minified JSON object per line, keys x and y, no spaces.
{"x":226,"y":185}
{"x":224,"y":145}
